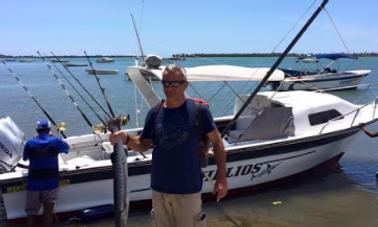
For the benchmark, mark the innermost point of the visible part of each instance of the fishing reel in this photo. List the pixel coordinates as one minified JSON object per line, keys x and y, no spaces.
{"x":61,"y":126}
{"x":115,"y":124}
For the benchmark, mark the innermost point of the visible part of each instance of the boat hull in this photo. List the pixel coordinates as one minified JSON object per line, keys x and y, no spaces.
{"x":247,"y":167}
{"x":327,"y":81}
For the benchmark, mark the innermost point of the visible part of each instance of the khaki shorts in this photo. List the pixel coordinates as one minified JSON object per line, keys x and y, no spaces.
{"x":176,"y":210}
{"x":34,"y":200}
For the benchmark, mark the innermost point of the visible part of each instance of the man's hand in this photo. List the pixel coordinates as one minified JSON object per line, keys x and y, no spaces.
{"x":220,"y":188}
{"x":120,"y":134}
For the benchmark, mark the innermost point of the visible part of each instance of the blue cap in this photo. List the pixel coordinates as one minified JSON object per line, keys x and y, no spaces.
{"x":43,"y":124}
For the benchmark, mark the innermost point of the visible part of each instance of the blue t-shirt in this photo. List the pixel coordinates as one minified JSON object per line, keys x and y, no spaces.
{"x":175,"y":160}
{"x":42,"y":152}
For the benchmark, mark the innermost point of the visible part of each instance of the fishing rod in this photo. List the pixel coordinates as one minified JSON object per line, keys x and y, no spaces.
{"x":274,"y":67}
{"x":34,"y":99}
{"x":74,"y":88}
{"x":99,"y":84}
{"x":81,"y":85}
{"x":138,"y":37}
{"x":66,"y":91}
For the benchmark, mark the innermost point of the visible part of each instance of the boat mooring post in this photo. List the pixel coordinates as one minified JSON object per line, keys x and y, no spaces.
{"x":120,"y":173}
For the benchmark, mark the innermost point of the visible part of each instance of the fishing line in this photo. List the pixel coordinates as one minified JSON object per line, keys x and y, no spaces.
{"x":74,"y":88}
{"x":34,"y":99}
{"x":337,"y":30}
{"x":66,"y":91}
{"x":273,"y":50}
{"x":99,"y":84}
{"x":82,"y":86}
{"x":275,"y":66}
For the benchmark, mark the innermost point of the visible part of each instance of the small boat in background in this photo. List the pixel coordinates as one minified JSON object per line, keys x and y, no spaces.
{"x":75,"y":64}
{"x":325,"y":79}
{"x":25,"y":60}
{"x":105,"y":60}
{"x":10,"y":60}
{"x":102,"y":71}
{"x":60,"y":60}
{"x":308,"y":59}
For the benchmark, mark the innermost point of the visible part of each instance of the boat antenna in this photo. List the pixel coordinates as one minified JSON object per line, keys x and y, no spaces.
{"x":99,"y":84}
{"x":34,"y":99}
{"x":274,"y":67}
{"x":66,"y":91}
{"x":138,"y":37}
{"x":75,"y":89}
{"x":81,"y":85}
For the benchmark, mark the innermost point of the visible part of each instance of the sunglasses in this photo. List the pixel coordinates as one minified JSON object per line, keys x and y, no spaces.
{"x":172,"y":83}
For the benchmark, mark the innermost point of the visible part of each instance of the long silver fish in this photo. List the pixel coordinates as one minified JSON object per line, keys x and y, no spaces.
{"x":120,"y":171}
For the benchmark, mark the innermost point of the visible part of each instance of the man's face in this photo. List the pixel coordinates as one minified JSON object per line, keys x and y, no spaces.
{"x":174,"y":84}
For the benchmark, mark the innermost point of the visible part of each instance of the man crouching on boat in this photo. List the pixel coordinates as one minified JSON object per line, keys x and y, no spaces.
{"x":43,"y":181}
{"x":176,"y":178}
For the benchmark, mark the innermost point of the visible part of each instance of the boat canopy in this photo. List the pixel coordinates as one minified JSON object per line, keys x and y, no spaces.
{"x":226,"y":73}
{"x":334,"y":56}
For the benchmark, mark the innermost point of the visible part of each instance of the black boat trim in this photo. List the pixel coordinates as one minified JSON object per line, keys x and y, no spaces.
{"x":233,"y":155}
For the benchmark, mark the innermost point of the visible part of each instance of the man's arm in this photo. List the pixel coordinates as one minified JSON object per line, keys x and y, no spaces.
{"x":369,"y":133}
{"x":220,"y":187}
{"x":135,"y":143}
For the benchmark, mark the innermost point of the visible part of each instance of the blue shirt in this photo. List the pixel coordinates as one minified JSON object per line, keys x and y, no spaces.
{"x":42,"y":152}
{"x":175,"y":160}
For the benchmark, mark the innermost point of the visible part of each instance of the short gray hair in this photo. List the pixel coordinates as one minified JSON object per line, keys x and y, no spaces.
{"x":173,"y":67}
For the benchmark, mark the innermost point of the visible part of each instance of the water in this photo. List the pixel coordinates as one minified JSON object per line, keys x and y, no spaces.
{"x":345,"y":195}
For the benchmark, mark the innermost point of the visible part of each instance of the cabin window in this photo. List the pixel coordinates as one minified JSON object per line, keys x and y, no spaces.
{"x":323,"y":117}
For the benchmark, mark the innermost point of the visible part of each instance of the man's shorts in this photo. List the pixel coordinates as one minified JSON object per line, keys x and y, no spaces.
{"x":34,"y":200}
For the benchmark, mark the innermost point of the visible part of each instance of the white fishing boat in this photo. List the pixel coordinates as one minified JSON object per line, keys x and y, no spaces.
{"x":280,"y":135}
{"x":105,"y":60}
{"x":102,"y":71}
{"x":324,"y":79}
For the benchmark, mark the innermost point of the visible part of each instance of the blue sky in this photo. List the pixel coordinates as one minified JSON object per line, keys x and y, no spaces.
{"x":195,"y":26}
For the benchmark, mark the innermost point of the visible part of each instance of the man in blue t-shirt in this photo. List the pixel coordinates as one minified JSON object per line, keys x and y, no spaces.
{"x":176,"y":178}
{"x":43,"y":180}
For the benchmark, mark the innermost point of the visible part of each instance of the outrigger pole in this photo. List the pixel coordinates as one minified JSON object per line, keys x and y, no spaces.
{"x":67,"y":92}
{"x":99,"y":84}
{"x":74,"y":88}
{"x":274,"y":67}
{"x":138,"y":37}
{"x":81,"y":85}
{"x":34,"y":99}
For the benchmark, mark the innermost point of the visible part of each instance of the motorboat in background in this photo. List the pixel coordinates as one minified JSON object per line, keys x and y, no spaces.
{"x":25,"y":60}
{"x":307,"y":59}
{"x":69,"y":64}
{"x":105,"y":60}
{"x":59,"y":60}
{"x":324,"y":79}
{"x":102,"y":71}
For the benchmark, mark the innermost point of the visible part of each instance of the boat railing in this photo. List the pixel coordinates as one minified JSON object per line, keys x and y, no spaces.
{"x":355,"y":111}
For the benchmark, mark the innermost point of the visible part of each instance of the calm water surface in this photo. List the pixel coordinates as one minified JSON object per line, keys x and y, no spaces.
{"x":344,"y":195}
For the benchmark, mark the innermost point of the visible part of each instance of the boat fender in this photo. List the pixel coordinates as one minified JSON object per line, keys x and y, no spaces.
{"x":95,"y":213}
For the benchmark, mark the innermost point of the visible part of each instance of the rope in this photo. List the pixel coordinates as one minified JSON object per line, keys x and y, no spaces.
{"x":337,"y":31}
